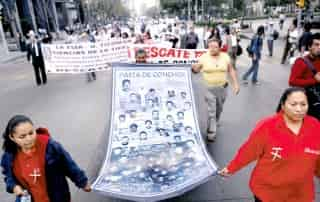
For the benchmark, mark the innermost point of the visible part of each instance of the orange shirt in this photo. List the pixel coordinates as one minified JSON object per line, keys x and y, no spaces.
{"x":29,"y":169}
{"x":286,"y":163}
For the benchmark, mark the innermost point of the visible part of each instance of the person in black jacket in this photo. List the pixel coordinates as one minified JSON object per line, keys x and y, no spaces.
{"x":35,"y":55}
{"x":305,"y":38}
{"x":33,"y":161}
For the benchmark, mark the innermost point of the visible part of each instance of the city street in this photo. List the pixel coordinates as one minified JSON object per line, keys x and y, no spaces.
{"x":77,"y":114}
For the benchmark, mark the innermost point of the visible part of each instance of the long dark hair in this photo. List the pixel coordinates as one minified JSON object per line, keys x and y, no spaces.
{"x":286,"y":94}
{"x":8,"y":144}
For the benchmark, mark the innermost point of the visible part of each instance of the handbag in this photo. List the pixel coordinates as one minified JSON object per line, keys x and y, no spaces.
{"x":313,"y":92}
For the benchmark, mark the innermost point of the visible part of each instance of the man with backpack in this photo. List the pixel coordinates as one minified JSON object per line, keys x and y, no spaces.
{"x":305,"y":73}
{"x":192,"y":39}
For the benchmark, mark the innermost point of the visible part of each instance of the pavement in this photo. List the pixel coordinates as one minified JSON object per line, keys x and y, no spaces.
{"x":11,"y":57}
{"x":78,"y":115}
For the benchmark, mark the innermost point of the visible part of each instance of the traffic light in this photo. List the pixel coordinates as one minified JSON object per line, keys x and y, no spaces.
{"x":300,"y":3}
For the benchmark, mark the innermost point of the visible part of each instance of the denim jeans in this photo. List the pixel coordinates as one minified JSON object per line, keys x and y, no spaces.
{"x":253,"y":70}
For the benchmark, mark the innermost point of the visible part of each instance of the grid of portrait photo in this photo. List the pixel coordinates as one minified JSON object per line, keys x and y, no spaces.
{"x":155,"y":141}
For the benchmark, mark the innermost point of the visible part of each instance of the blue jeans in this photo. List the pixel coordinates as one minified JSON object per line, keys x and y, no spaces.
{"x":254,"y":70}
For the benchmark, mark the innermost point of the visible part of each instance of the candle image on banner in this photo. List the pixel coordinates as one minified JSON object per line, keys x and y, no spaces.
{"x":155,"y":150}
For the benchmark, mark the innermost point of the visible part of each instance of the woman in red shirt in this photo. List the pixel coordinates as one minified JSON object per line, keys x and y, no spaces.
{"x":34,"y":162}
{"x":286,"y":147}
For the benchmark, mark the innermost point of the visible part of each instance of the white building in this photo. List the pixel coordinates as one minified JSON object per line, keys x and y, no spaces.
{"x":138,"y":7}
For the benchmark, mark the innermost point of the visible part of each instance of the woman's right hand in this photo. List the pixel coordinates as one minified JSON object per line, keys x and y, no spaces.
{"x":224,"y":172}
{"x":18,"y":190}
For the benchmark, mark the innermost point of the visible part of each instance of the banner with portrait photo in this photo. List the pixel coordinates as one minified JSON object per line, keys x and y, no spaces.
{"x":155,"y":148}
{"x":84,"y":57}
{"x":158,"y":54}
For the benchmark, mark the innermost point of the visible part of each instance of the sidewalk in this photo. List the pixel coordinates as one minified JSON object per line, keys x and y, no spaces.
{"x":11,"y":56}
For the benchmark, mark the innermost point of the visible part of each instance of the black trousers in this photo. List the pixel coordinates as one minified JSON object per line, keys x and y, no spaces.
{"x":191,"y":46}
{"x":286,"y":50}
{"x":39,"y":69}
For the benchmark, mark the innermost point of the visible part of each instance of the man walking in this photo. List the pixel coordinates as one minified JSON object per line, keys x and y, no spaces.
{"x":215,"y":67}
{"x":35,"y":55}
{"x":306,"y":73}
{"x":270,"y":37}
{"x":192,"y":39}
{"x":291,"y":41}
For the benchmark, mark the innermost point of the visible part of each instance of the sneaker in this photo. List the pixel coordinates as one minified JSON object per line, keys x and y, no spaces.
{"x":245,"y":81}
{"x":256,"y":83}
{"x":211,"y":136}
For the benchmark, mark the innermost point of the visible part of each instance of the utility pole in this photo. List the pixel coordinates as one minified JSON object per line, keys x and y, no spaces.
{"x":33,"y":18}
{"x":2,"y":36}
{"x":17,"y":19}
{"x":196,"y":9}
{"x":45,"y":10}
{"x":202,"y":8}
{"x":189,"y":11}
{"x":55,"y":15}
{"x":89,"y":12}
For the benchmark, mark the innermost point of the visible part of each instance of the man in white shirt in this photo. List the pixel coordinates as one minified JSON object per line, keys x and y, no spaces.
{"x":270,"y":37}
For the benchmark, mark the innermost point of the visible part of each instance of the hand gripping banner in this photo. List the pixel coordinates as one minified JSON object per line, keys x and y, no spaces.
{"x":155,"y":148}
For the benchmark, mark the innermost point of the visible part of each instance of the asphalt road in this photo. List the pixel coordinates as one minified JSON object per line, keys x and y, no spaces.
{"x":78,"y":113}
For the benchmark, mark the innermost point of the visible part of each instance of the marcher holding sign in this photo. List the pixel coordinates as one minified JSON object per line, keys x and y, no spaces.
{"x":286,"y":147}
{"x":32,"y":161}
{"x":214,"y":67}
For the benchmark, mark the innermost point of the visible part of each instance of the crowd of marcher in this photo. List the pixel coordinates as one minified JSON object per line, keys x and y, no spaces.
{"x":285,"y":146}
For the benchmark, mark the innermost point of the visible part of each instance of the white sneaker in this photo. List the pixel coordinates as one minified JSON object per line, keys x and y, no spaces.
{"x":211,"y":136}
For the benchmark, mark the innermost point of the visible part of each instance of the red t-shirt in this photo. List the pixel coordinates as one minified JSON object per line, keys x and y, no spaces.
{"x":286,"y":163}
{"x":29,"y":169}
{"x":301,"y":75}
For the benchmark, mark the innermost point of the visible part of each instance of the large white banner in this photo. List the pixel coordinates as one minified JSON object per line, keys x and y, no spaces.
{"x":163,"y":55}
{"x":84,"y":57}
{"x":155,"y":148}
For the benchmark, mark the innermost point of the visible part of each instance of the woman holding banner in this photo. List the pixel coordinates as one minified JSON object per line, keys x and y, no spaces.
{"x":36,"y":164}
{"x":215,"y":67}
{"x":286,"y":147}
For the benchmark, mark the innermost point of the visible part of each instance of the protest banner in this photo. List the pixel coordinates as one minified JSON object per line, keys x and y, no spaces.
{"x":155,"y":149}
{"x":163,"y":55}
{"x":84,"y":57}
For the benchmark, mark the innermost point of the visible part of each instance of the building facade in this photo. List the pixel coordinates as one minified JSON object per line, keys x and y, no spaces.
{"x":138,"y":7}
{"x":52,"y":15}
